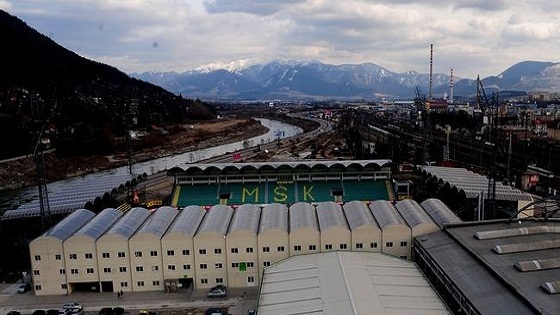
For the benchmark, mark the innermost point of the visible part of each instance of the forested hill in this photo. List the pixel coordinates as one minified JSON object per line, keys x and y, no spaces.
{"x":86,"y":100}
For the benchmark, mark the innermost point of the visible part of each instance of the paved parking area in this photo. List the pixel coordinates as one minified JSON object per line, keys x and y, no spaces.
{"x":238,"y":302}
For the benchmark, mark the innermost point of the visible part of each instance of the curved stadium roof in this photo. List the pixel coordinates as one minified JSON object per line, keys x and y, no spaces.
{"x":385,"y":214}
{"x":439,"y":212}
{"x":188,"y":220}
{"x":302,"y":215}
{"x":70,"y":224}
{"x":129,"y":223}
{"x":330,"y":214}
{"x":413,"y":213}
{"x":158,"y":221}
{"x":246,"y":217}
{"x":216,"y":220}
{"x":358,"y":214}
{"x":274,"y":216}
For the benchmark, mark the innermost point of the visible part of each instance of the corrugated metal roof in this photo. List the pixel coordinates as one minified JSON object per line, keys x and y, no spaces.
{"x":385,"y":214}
{"x":158,"y":221}
{"x":439,"y":212}
{"x":274,"y":216}
{"x":216,"y":220}
{"x":246,"y":217}
{"x":346,"y":283}
{"x":100,"y":223}
{"x":330,"y":214}
{"x":302,"y":215}
{"x":70,"y":224}
{"x":129,"y":223}
{"x":413,"y":213}
{"x":358,"y":214}
{"x":472,"y":184}
{"x":188,"y":220}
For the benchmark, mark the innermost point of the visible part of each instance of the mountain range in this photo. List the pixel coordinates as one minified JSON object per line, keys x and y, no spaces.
{"x":366,"y":81}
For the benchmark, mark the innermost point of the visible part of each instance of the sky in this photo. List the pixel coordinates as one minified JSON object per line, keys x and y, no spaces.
{"x":474,"y":37}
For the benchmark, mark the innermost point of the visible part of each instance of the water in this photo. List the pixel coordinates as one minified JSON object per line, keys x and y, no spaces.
{"x":276,"y":129}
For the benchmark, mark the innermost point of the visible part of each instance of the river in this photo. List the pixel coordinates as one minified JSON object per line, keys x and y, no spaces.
{"x":76,"y":191}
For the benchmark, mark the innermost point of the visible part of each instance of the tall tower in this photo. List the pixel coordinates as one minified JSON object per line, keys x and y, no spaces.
{"x":431,"y":70}
{"x":451,"y":87}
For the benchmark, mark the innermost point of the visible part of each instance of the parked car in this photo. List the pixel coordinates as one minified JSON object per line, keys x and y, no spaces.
{"x":52,"y":312}
{"x":118,"y":310}
{"x":219,"y":287}
{"x":217,"y":293}
{"x":23,"y":288}
{"x":106,"y":311}
{"x":213,"y":311}
{"x":39,"y":312}
{"x":14,"y":313}
{"x":72,"y":306}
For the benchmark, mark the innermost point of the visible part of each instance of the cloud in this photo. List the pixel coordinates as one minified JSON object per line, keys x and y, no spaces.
{"x":256,"y":7}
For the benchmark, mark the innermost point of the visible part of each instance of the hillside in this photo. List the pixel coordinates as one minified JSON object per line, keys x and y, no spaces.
{"x":87,"y":104}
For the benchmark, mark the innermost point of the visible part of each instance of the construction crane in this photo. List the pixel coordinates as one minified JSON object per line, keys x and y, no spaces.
{"x":491,"y":110}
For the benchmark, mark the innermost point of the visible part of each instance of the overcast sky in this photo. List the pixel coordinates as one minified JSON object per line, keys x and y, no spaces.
{"x":474,"y":37}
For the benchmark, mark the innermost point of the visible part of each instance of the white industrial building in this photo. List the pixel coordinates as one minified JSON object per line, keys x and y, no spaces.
{"x":168,"y":249}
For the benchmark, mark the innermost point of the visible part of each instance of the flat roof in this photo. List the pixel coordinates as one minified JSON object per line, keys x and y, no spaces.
{"x":346,"y":283}
{"x":470,"y":255}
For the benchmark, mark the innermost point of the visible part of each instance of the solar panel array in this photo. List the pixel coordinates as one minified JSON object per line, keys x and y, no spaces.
{"x":473,"y":184}
{"x":73,"y":196}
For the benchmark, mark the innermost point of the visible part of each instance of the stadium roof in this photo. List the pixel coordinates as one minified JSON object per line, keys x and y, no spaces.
{"x":512,"y":281}
{"x":346,"y":283}
{"x":302,"y":215}
{"x":472,"y":183}
{"x":129,"y":222}
{"x":158,"y":221}
{"x":385,"y":214}
{"x":253,"y":167}
{"x":413,"y":213}
{"x":216,"y":220}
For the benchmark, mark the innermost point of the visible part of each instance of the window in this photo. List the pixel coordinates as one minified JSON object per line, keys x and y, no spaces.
{"x":89,"y":270}
{"x":106,"y":255}
{"x":186,"y":267}
{"x":107,"y":270}
{"x":249,"y":249}
{"x":38,"y":287}
{"x":328,"y":246}
{"x":389,"y":244}
{"x":403,"y":257}
{"x":202,"y":251}
{"x":37,"y":257}
{"x":312,"y":247}
{"x":124,"y":284}
{"x":219,"y":280}
{"x":266,"y":249}
{"x":155,"y":268}
{"x":266,"y":263}
{"x":170,"y":253}
{"x":170,"y":267}
{"x":74,"y":271}
{"x":64,"y":286}
{"x":297,"y":248}
{"x":139,"y":268}
{"x":359,"y":245}
{"x":203,"y":266}
{"x":89,"y":256}
{"x":280,"y":248}
{"x":122,"y":269}
{"x":36,"y":272}
{"x":121,"y":255}
{"x":373,"y":245}
{"x":137,"y":254}
{"x":140,"y":283}
{"x":155,"y":283}
{"x":251,"y":279}
{"x":234,"y":250}
{"x":73,"y":256}
{"x":217,"y":251}
{"x":62,"y":271}
{"x":58,"y":257}
{"x":204,"y":281}
{"x":153,"y":253}
{"x":234,"y":265}
{"x":343,"y":246}
{"x":186,"y":252}
{"x":218,"y":265}
{"x":404,"y":244}
{"x":250,"y":264}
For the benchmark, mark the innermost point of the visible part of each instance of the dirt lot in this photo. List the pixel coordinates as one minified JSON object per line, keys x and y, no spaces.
{"x":22,"y":171}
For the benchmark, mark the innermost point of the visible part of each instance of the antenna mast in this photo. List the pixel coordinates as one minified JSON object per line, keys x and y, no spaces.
{"x":431,"y":70}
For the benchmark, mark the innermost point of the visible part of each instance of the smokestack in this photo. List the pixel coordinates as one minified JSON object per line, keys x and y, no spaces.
{"x":431,"y":70}
{"x":451,"y":87}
